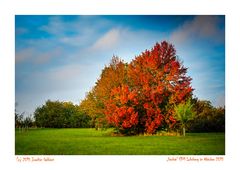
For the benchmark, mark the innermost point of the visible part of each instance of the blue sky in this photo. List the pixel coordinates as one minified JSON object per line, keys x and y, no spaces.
{"x":61,"y":57}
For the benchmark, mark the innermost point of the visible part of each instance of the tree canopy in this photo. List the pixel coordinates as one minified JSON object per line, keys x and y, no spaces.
{"x":139,"y":97}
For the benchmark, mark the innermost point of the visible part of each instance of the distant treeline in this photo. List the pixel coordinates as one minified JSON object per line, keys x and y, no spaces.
{"x":56,"y":114}
{"x":208,"y":118}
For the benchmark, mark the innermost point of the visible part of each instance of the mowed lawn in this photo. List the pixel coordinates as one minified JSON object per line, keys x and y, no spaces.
{"x":92,"y":142}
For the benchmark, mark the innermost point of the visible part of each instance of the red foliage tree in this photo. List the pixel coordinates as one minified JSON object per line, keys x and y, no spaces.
{"x":156,"y":80}
{"x":160,"y":80}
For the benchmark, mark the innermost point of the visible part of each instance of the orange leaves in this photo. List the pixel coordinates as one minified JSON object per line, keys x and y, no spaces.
{"x":172,"y":119}
{"x":175,"y":65}
{"x":166,"y":68}
{"x":160,"y":89}
{"x":123,"y":99}
{"x":123,"y":95}
{"x":126,"y":124}
{"x":146,"y":105}
{"x":150,"y":127}
{"x":153,"y":123}
{"x":125,"y":89}
{"x":123,"y":116}
{"x":121,"y":112}
{"x":152,"y":82}
{"x":154,"y":118}
{"x":134,"y":118}
{"x":111,"y":77}
{"x":115,"y":91}
{"x":132,"y":96}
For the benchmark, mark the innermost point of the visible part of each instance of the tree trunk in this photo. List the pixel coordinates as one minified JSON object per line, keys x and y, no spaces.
{"x":183,"y":131}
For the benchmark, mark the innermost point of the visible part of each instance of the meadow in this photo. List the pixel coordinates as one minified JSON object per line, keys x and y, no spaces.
{"x":86,"y":141}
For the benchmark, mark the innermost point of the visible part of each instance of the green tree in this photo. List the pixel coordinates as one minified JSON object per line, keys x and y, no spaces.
{"x":184,"y":113}
{"x":56,"y":114}
{"x":92,"y":107}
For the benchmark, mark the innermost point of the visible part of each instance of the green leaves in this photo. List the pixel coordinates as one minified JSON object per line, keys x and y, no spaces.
{"x":184,"y":113}
{"x":56,"y":114}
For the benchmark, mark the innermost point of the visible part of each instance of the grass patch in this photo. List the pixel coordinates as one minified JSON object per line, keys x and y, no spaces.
{"x":92,"y":142}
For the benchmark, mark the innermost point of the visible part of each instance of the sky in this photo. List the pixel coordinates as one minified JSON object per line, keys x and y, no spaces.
{"x":61,"y":57}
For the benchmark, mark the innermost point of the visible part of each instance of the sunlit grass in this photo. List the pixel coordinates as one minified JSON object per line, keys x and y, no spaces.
{"x":92,"y":142}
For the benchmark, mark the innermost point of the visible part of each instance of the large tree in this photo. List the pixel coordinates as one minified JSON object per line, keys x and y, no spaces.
{"x":156,"y":80}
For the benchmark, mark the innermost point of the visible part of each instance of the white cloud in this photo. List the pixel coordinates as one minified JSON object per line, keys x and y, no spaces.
{"x":108,"y":40}
{"x":36,"y":56}
{"x":206,"y":27}
{"x":81,"y":31}
{"x":55,"y":26}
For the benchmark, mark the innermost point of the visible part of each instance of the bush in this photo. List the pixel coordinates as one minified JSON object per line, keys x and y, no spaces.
{"x":208,"y":118}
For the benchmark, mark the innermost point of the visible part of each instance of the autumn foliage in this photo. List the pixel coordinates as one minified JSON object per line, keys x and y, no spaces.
{"x":161,"y":82}
{"x":139,"y":97}
{"x":94,"y":104}
{"x":121,"y":109}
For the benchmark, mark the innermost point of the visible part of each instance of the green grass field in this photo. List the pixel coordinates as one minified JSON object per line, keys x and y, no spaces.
{"x":92,"y":142}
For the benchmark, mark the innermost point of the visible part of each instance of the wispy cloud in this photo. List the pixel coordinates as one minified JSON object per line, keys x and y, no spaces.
{"x":108,"y":40}
{"x":24,"y":54}
{"x":36,"y":56}
{"x":55,"y":26}
{"x":80,"y":31}
{"x":204,"y":27}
